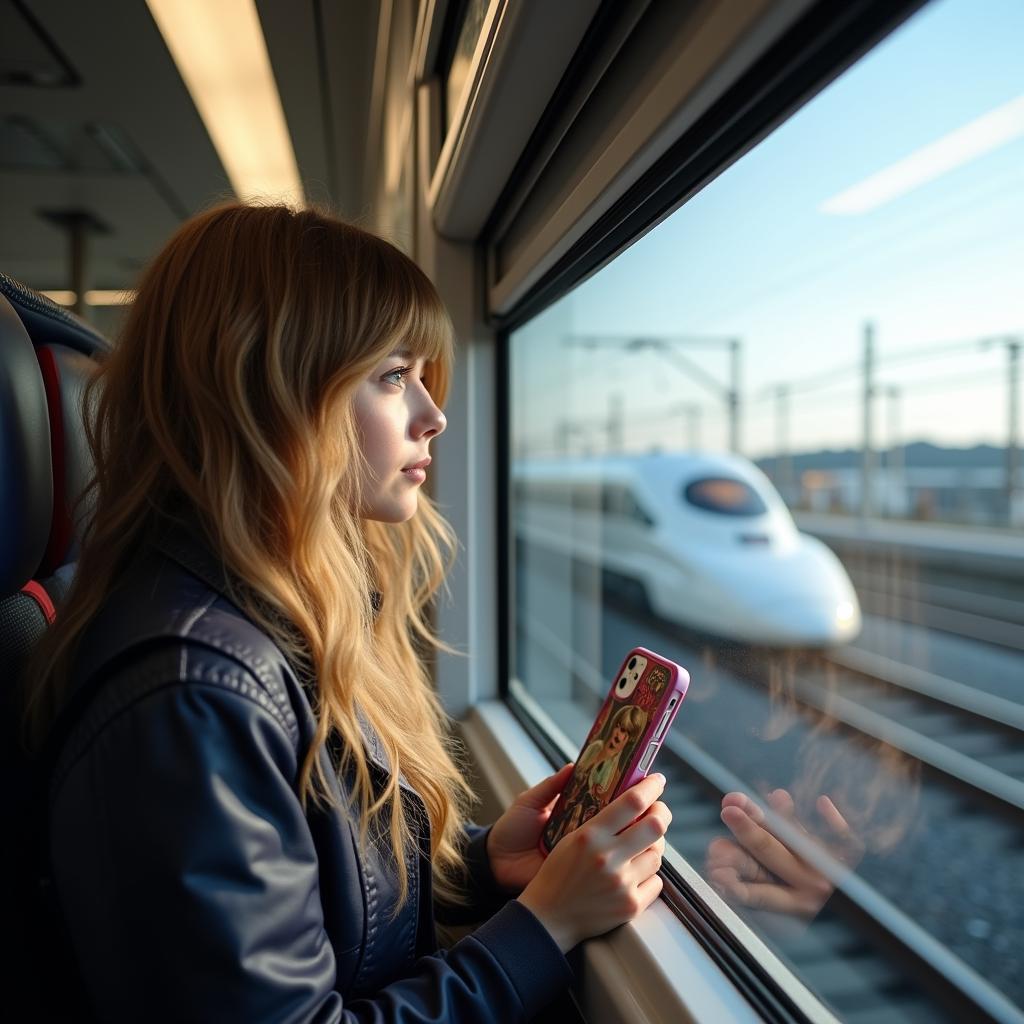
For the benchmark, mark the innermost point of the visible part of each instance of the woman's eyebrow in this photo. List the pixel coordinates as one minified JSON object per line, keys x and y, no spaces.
{"x":400,"y":353}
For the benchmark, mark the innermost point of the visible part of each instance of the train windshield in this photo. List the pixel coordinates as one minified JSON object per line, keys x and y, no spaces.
{"x":724,"y":495}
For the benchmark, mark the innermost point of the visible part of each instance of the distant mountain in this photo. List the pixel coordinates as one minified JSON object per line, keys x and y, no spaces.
{"x":918,"y":453}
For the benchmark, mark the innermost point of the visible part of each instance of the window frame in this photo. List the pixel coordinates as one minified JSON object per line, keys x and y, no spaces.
{"x":819,"y":46}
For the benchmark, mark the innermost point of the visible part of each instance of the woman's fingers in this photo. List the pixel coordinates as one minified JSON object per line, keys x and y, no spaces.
{"x":723,"y":853}
{"x":658,"y":845}
{"x":645,"y":864}
{"x":851,"y":845}
{"x":759,"y":895}
{"x":744,"y":803}
{"x":629,"y":806}
{"x":646,"y":831}
{"x":764,"y":847}
{"x":648,"y":891}
{"x":782,"y":804}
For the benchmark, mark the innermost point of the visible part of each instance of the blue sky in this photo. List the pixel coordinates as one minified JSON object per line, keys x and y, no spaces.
{"x":755,"y":256}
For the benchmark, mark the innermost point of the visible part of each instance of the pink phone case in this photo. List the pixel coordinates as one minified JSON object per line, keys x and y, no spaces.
{"x":623,"y":741}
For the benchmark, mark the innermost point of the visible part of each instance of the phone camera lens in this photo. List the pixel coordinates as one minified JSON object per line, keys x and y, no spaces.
{"x":632,"y":663}
{"x":622,"y":683}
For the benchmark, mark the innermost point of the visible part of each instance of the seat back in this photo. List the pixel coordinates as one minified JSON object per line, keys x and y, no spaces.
{"x":46,"y":357}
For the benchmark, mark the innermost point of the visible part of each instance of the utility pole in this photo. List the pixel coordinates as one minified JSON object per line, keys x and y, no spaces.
{"x":894,"y":463}
{"x":668,"y":345}
{"x":868,"y":451}
{"x":783,"y":462}
{"x":1014,"y":492}
{"x":1014,"y":486}
{"x":616,"y":425}
{"x":562,"y":437}
{"x":734,"y":395}
{"x":691,"y":431}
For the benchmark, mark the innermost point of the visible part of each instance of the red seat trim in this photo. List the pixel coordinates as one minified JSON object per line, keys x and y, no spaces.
{"x":41,"y":598}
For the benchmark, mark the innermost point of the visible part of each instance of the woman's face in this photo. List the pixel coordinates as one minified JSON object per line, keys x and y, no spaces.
{"x":397,"y":419}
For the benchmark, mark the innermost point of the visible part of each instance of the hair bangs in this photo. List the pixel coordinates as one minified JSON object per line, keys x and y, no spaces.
{"x":431,"y":338}
{"x":421,"y":326}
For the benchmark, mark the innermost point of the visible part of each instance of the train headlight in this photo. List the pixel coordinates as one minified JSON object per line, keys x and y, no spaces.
{"x":844,"y":612}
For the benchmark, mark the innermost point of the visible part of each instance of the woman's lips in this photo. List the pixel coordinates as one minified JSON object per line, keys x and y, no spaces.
{"x":418,"y":470}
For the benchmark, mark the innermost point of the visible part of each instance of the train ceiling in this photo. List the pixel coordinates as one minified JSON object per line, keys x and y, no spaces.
{"x":95,"y":117}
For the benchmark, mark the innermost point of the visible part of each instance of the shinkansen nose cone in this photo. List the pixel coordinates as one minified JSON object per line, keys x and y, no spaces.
{"x":802,"y":620}
{"x":793,"y":592}
{"x":747,"y":573}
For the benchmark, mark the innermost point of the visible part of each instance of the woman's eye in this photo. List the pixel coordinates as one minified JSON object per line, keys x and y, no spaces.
{"x":397,"y":376}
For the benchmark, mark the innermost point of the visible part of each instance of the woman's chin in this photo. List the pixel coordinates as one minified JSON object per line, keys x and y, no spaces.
{"x":397,"y":511}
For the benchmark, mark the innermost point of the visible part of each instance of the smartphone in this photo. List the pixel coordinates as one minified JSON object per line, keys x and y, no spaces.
{"x":623,"y":741}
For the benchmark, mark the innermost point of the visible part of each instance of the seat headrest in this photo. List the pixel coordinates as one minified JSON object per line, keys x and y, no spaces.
{"x":46,"y":356}
{"x":65,"y":373}
{"x":26,"y":481}
{"x":50,"y":324}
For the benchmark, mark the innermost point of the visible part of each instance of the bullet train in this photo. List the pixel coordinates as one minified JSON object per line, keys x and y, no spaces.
{"x":704,"y":538}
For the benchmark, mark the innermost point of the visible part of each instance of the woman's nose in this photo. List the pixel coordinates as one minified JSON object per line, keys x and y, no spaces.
{"x":432,"y":422}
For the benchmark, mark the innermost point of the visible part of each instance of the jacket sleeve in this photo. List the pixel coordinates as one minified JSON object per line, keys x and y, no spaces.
{"x":189,"y":880}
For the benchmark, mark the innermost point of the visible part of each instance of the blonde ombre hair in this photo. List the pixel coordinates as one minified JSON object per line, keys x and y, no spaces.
{"x":230,"y":392}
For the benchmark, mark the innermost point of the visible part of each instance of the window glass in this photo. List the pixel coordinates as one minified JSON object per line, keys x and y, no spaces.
{"x":823,"y":346}
{"x":725,"y":496}
{"x":455,"y":73}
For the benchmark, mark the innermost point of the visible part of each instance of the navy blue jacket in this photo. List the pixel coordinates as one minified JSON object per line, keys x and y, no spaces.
{"x":193,"y":885}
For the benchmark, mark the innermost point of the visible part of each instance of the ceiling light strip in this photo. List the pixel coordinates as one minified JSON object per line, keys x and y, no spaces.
{"x":222,"y":57}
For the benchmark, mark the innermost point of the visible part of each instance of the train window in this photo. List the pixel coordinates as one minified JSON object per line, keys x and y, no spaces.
{"x":725,"y":496}
{"x":827,"y":335}
{"x":467,"y":22}
{"x":618,"y":501}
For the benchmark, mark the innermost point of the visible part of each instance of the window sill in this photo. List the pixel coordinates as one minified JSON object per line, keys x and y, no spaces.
{"x":651,"y":969}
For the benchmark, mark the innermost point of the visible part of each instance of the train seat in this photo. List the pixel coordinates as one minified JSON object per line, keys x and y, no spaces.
{"x":46,"y":356}
{"x":26,"y":494}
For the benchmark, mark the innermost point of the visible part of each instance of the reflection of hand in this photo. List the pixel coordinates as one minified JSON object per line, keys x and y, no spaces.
{"x":758,"y":870}
{"x":512,"y":842}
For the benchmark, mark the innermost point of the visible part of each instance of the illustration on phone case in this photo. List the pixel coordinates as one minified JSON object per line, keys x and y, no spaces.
{"x":610,"y":746}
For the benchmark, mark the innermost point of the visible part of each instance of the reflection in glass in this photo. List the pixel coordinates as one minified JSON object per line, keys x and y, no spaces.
{"x":725,"y":496}
{"x":774,"y":441}
{"x":470,"y":21}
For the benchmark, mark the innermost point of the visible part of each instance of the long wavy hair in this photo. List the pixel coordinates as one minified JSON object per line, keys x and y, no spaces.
{"x":229,"y":392}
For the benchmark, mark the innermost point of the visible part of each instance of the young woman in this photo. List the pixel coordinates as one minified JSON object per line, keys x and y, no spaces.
{"x":258,"y":804}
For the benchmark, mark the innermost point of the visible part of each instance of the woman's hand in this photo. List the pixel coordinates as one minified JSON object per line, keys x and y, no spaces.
{"x":512,"y":842}
{"x":759,"y":871}
{"x":606,"y":872}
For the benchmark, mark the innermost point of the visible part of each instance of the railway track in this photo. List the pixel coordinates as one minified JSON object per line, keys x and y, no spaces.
{"x":909,"y":596}
{"x":963,"y":737}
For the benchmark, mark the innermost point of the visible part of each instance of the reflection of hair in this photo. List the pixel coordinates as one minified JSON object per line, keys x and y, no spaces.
{"x":631,"y":719}
{"x":873,"y":785}
{"x":230,"y":394}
